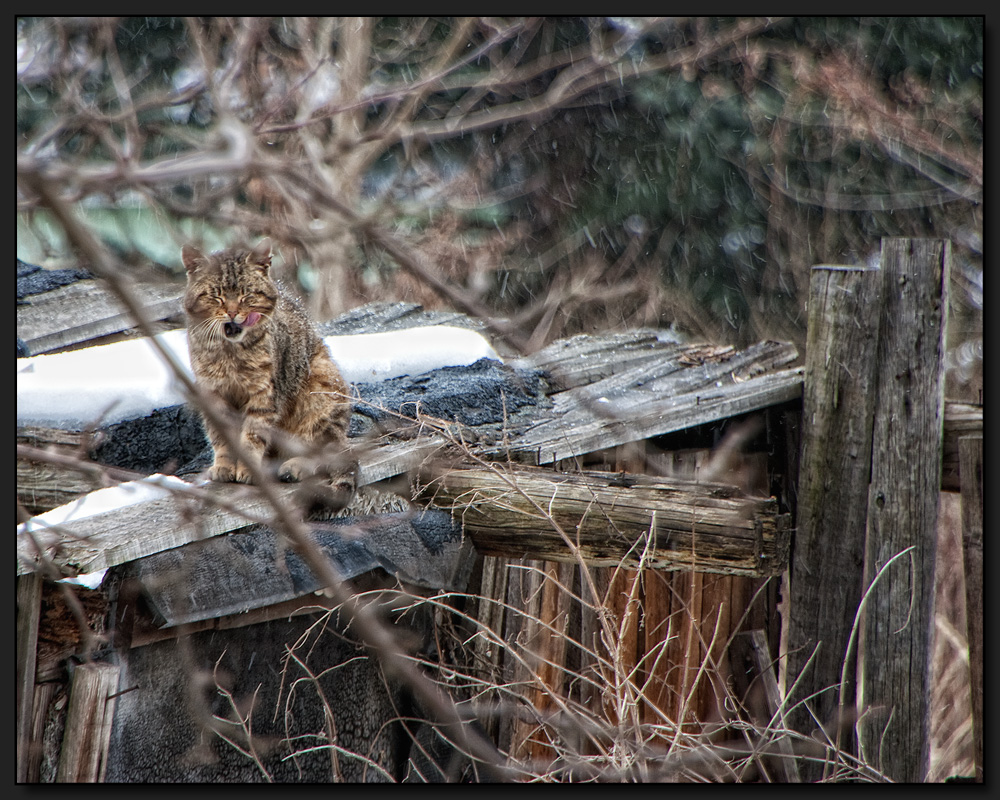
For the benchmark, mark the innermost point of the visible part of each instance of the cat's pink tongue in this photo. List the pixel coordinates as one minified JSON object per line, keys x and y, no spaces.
{"x":252,"y":318}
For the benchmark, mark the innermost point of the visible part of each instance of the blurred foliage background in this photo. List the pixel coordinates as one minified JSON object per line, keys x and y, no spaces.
{"x":566,"y":174}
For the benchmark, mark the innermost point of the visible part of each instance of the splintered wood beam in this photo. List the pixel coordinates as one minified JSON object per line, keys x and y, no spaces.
{"x":607,"y":519}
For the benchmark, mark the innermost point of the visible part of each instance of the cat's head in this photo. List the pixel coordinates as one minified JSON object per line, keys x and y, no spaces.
{"x":229,"y":293}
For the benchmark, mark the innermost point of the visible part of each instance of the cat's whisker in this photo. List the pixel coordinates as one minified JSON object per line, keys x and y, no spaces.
{"x":212,"y":327}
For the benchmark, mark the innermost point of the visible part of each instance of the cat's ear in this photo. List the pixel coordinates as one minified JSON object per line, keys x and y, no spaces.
{"x":192,"y":257}
{"x":261,"y":254}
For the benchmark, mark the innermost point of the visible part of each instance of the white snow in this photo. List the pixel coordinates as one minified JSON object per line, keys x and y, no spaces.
{"x":372,"y":357}
{"x":98,"y":385}
{"x":100,"y":502}
{"x":114,"y":382}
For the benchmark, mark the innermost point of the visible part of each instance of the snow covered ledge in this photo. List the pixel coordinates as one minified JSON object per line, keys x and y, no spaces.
{"x":128,"y":379}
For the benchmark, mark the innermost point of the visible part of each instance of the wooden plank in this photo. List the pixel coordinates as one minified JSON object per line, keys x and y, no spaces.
{"x":256,"y":568}
{"x":658,"y":692}
{"x":29,"y":605}
{"x":489,"y":613}
{"x":621,"y":650}
{"x":88,"y":723}
{"x":85,"y":310}
{"x":381,"y":461}
{"x":145,"y":632}
{"x":706,"y":527}
{"x":603,"y":422}
{"x":116,"y":537}
{"x":903,"y":508}
{"x":380,"y":316}
{"x":826,"y":571}
{"x":45,"y":485}
{"x":584,"y":359}
{"x":684,"y":651}
{"x":971,"y":454}
{"x":546,"y":647}
{"x":524,"y":600}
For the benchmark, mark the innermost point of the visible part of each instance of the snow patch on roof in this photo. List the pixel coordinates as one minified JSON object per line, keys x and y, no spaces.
{"x":110,"y":383}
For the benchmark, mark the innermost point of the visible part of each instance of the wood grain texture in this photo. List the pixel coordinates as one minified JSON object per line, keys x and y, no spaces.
{"x":85,"y":310}
{"x":608,"y":519}
{"x":903,"y":507}
{"x":674,"y":389}
{"x":826,"y":572}
{"x":960,"y":419}
{"x":116,"y":537}
{"x":88,"y":723}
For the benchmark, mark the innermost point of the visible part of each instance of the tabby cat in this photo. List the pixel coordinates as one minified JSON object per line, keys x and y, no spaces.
{"x":253,"y":347}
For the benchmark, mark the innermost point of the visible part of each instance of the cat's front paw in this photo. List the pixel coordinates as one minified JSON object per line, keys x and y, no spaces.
{"x":242,"y":475}
{"x":222,"y":473}
{"x":294,"y":470}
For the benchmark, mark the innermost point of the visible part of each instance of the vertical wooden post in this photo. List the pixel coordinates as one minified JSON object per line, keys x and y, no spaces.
{"x":828,"y":552}
{"x":970,"y":454}
{"x":88,"y":724}
{"x":903,"y":508}
{"x":29,"y":604}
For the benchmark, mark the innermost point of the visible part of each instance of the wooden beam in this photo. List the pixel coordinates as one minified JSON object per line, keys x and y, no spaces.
{"x":583,"y":359}
{"x":518,"y":511}
{"x":971,"y":452}
{"x":903,"y":508}
{"x":44,"y":485}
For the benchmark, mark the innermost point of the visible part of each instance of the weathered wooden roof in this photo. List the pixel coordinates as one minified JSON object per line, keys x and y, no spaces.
{"x":62,"y":308}
{"x":575,"y":396}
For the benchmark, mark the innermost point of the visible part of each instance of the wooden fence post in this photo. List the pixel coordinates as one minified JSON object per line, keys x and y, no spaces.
{"x":838,"y":398}
{"x":903,"y":508}
{"x":970,"y":450}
